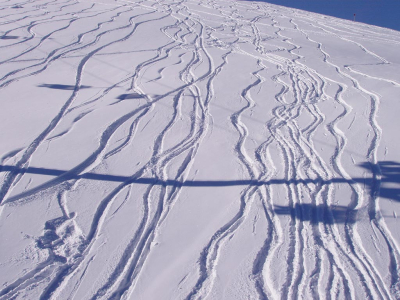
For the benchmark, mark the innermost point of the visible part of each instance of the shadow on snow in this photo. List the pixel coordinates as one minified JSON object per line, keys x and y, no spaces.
{"x":8,"y":37}
{"x":63,"y":86}
{"x":189,"y":183}
{"x":388,"y":187}
{"x":129,"y":96}
{"x":318,"y":213}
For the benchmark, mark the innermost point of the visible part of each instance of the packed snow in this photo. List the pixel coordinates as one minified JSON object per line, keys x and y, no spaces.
{"x":196,"y":149}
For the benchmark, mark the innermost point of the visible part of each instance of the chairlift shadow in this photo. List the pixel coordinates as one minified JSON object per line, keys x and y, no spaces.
{"x":315,"y":214}
{"x":9,"y":37}
{"x":389,"y":187}
{"x":63,"y":86}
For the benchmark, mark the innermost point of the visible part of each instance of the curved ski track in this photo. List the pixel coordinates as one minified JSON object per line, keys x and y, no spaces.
{"x":310,"y":243}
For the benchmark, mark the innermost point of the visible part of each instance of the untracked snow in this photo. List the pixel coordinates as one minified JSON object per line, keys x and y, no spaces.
{"x":196,"y":150}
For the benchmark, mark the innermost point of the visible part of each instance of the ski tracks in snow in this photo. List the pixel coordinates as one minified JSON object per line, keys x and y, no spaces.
{"x":290,"y":127}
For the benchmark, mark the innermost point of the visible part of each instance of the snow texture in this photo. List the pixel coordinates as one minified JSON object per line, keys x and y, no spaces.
{"x":196,"y":149}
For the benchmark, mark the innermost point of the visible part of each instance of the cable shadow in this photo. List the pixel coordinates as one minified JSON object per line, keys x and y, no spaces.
{"x":130,"y":96}
{"x":390,"y":187}
{"x":190,"y":183}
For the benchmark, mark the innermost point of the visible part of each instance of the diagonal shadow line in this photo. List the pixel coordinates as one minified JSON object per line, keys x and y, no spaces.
{"x":189,"y":183}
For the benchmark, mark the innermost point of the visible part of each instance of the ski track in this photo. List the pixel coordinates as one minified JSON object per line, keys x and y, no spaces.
{"x":341,"y":266}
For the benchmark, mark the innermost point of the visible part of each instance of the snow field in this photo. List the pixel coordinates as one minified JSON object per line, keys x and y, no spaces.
{"x":196,"y":150}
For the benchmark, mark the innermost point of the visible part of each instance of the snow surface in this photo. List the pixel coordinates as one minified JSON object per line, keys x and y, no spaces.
{"x":196,"y":150}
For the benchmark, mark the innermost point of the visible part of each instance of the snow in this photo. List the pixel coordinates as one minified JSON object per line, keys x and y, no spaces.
{"x":196,"y":150}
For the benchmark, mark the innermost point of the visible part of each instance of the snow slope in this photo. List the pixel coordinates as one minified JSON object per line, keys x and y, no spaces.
{"x":196,"y":149}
